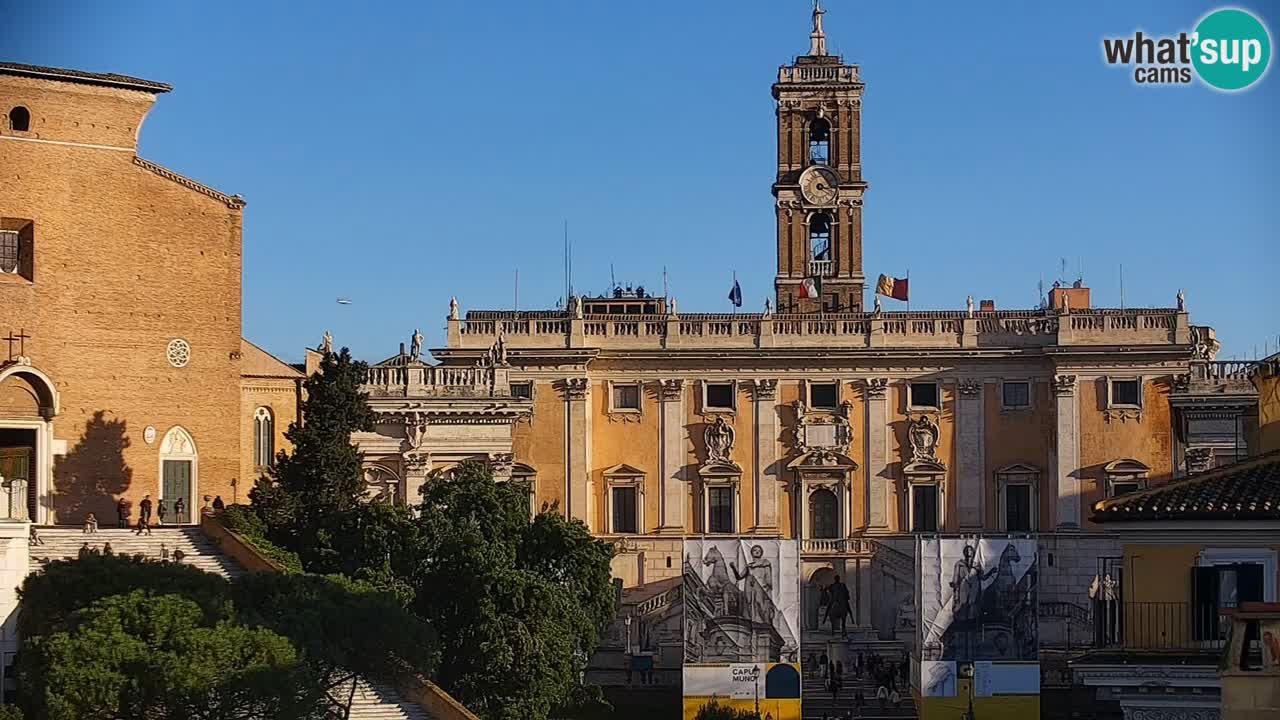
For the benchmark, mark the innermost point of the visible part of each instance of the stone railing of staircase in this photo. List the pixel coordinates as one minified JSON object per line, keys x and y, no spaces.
{"x":414,"y":688}
{"x":236,"y":546}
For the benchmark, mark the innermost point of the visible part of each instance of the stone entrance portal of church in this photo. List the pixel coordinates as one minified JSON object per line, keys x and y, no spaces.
{"x":179,"y":466}
{"x":28,"y":404}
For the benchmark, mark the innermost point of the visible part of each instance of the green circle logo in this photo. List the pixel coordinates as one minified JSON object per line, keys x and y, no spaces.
{"x":1232,"y":49}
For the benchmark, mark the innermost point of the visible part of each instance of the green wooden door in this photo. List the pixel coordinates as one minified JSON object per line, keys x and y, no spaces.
{"x":177,"y":484}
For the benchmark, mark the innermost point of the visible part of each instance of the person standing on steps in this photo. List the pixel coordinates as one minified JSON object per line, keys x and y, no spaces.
{"x":161,"y":511}
{"x":180,"y":511}
{"x":122,"y":514}
{"x":144,"y":515}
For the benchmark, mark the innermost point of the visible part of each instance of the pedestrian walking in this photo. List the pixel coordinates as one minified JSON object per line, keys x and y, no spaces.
{"x":882,"y":695}
{"x":161,"y":511}
{"x":144,"y":508}
{"x":33,"y":537}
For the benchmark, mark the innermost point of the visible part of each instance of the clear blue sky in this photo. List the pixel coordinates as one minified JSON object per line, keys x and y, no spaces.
{"x":401,"y":155}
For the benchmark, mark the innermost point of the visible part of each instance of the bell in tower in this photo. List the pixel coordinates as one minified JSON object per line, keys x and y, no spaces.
{"x":819,"y":184}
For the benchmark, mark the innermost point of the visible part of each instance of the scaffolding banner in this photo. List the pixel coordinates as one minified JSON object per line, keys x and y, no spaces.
{"x":741,"y":601}
{"x":978,"y":599}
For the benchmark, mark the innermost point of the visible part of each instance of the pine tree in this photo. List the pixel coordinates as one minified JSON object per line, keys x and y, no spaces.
{"x":308,"y":492}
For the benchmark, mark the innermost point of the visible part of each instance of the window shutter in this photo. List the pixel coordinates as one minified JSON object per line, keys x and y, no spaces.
{"x":1249,"y":582}
{"x":26,"y":251}
{"x":1204,"y":602}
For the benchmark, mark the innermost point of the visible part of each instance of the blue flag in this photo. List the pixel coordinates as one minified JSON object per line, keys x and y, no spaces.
{"x":735,"y":295}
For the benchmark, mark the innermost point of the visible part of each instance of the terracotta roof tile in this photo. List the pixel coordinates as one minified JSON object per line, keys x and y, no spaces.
{"x":81,"y":76}
{"x":1247,"y":490}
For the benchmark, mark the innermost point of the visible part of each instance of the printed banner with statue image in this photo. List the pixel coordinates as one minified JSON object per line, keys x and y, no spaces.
{"x":742,"y":620}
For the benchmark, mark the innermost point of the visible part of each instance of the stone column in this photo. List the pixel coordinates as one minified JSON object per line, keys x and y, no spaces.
{"x":971,"y":468}
{"x":1067,"y":452}
{"x":577,"y":474}
{"x":414,"y":467}
{"x":671,"y":455}
{"x":878,"y":473}
{"x":765,"y":477}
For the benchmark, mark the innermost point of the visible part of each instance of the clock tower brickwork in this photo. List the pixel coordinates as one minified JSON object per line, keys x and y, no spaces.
{"x":819,"y":185}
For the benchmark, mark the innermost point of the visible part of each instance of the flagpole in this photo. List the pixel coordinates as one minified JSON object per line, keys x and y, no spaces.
{"x":908,"y":289}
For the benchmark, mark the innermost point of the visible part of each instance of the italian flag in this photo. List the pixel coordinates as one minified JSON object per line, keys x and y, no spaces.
{"x":811,"y":288}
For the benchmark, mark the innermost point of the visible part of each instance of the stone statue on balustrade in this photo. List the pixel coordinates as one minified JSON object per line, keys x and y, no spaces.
{"x":453,"y":308}
{"x":326,"y":343}
{"x":719,"y":439}
{"x":415,"y":344}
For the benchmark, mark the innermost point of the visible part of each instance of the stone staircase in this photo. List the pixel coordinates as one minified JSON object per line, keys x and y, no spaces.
{"x":60,"y":543}
{"x":818,"y":702}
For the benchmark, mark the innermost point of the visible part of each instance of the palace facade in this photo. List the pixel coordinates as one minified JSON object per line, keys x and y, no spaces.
{"x":853,"y":431}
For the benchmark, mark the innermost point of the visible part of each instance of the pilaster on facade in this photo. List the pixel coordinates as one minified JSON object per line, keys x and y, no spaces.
{"x":577,"y":439}
{"x":765,"y":473}
{"x":971,"y":453}
{"x":672,"y":489}
{"x":879,"y":473}
{"x":1067,"y":451}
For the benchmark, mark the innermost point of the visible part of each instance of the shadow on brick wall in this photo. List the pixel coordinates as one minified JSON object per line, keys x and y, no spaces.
{"x":93,"y":473}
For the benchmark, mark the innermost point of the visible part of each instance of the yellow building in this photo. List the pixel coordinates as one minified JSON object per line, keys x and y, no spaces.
{"x":1266,"y":377}
{"x":852,"y":429}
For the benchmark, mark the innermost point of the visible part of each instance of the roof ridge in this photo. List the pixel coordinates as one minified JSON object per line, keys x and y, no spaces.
{"x":84,"y":77}
{"x":1103,"y":508}
{"x":232,"y":201}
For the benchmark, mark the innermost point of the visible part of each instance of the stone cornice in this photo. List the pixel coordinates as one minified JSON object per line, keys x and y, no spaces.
{"x":235,"y":202}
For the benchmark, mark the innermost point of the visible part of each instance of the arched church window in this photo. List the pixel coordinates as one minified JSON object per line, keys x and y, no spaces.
{"x":819,"y":141}
{"x":20,"y":119}
{"x":264,"y":437}
{"x":824,"y":515}
{"x":820,"y":236}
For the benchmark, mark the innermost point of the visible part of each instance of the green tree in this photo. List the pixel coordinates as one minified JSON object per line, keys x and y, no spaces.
{"x":49,"y":598}
{"x":157,"y":656}
{"x":520,"y":604}
{"x":307,"y":493}
{"x":344,"y":630}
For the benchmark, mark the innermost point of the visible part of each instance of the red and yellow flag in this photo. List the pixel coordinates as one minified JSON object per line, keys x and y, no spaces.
{"x":895,"y":288}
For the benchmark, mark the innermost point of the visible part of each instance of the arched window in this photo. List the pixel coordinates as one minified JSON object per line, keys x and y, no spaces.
{"x":20,"y":119}
{"x":824,"y":516}
{"x":820,"y":236}
{"x":819,"y":141}
{"x":264,"y":437}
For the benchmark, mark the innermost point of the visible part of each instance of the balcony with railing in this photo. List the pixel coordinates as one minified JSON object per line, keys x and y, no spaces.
{"x":1161,"y":627}
{"x":822,"y":268}
{"x":421,"y":380}
{"x":1015,"y":329}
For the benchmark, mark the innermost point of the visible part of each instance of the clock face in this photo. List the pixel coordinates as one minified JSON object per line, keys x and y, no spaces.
{"x":820,"y":185}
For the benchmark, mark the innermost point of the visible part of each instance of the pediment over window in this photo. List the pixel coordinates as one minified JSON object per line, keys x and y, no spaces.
{"x":823,"y":459}
{"x":924,"y":467}
{"x":720,"y":469}
{"x":1018,"y":469}
{"x":1126,"y":466}
{"x":623,"y":470}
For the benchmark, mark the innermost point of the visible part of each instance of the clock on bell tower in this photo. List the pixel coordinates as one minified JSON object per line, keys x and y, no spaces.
{"x":819,"y":186}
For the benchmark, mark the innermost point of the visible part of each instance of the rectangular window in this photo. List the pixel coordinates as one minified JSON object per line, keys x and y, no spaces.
{"x":625,"y":518}
{"x":924,"y":395}
{"x":924,"y":508}
{"x":626,"y":396}
{"x":1217,"y":589}
{"x":1124,"y":487}
{"x":719,"y":396}
{"x":1017,"y":394}
{"x":1017,"y":508}
{"x":824,"y":395}
{"x":522,"y":390}
{"x":720,"y":509}
{"x":9,"y":245}
{"x":1126,"y":392}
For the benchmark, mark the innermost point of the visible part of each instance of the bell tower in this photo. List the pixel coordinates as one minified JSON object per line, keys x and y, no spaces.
{"x":819,"y":184}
